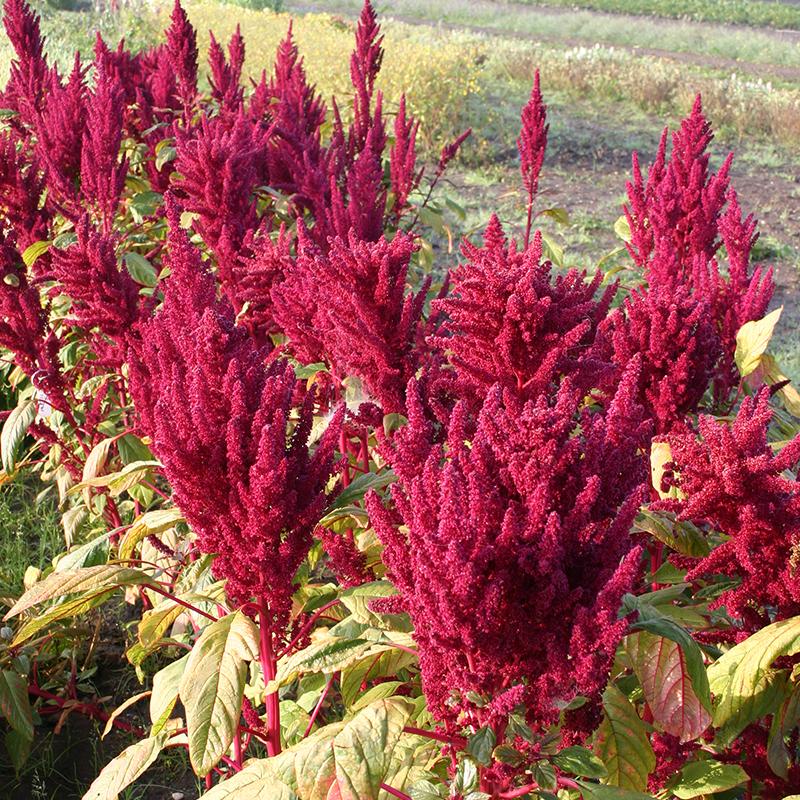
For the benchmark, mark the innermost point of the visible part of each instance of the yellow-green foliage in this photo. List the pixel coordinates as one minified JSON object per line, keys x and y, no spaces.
{"x":437,"y":70}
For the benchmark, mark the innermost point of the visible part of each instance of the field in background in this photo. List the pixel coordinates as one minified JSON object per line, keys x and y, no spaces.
{"x":612,"y":82}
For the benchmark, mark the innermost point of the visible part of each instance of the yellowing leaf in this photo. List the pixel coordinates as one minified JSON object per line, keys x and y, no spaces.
{"x":14,"y":429}
{"x":166,"y":683}
{"x":59,"y":584}
{"x":622,"y":743}
{"x":743,"y":679}
{"x":752,"y":341}
{"x":123,"y":770}
{"x":255,"y":782}
{"x":212,"y":687}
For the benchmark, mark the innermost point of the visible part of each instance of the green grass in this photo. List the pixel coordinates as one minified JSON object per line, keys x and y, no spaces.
{"x":757,"y":13}
{"x":30,"y":534}
{"x":678,"y":36}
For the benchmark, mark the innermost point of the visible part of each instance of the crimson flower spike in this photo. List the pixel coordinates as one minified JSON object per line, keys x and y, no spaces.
{"x":29,"y":71}
{"x":365,"y":63}
{"x":403,"y":159}
{"x":226,"y":76}
{"x":532,"y":143}
{"x":182,"y":48}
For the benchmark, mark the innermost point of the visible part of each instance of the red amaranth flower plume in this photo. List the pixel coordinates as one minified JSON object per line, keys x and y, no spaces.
{"x":508,"y":322}
{"x":732,"y":479}
{"x":517,"y":533}
{"x":29,"y":74}
{"x":234,"y":448}
{"x":59,"y":135}
{"x":365,"y":64}
{"x":221,"y":162}
{"x":363,"y":321}
{"x":674,"y":334}
{"x":532,"y":143}
{"x":226,"y":75}
{"x":102,"y":170}
{"x":182,"y":49}
{"x":403,"y":159}
{"x":104,"y":297}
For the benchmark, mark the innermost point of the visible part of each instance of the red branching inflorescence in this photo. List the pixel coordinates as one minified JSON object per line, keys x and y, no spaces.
{"x":234,"y":448}
{"x":518,"y":532}
{"x":226,"y":75}
{"x":732,"y":479}
{"x":403,"y":159}
{"x":30,"y":75}
{"x":532,"y":143}
{"x":508,"y":322}
{"x":362,"y":320}
{"x":182,"y":50}
{"x":365,"y":64}
{"x":678,"y":220}
{"x":673,"y":333}
{"x":104,"y":296}
{"x":102,"y":170}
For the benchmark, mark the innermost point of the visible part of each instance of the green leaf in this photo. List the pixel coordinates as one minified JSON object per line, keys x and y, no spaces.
{"x":123,"y":770}
{"x":371,"y":667}
{"x":67,"y":610}
{"x":783,"y":723}
{"x":559,"y":215}
{"x":596,"y":791}
{"x":212,"y":687}
{"x":18,"y":747}
{"x":553,"y":250}
{"x":165,"y":154}
{"x":153,"y":522}
{"x":14,"y":703}
{"x":744,"y":680}
{"x":363,"y":748}
{"x":166,"y":684}
{"x":327,"y":656}
{"x":707,"y":777}
{"x":140,"y":269}
{"x":579,"y":761}
{"x":358,"y":598}
{"x":673,"y":677}
{"x":622,"y":743}
{"x":359,"y":487}
{"x":623,"y":229}
{"x":14,"y":429}
{"x":256,"y":781}
{"x":481,"y":744}
{"x":32,"y":252}
{"x":60,"y":584}
{"x":425,"y":790}
{"x":752,"y":341}
{"x":680,"y":536}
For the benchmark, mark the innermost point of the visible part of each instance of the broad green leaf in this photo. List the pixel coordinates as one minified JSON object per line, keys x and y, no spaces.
{"x":363,"y":748}
{"x":425,"y":790}
{"x":553,"y":251}
{"x":357,"y":600}
{"x":140,"y":269}
{"x":71,"y":521}
{"x":130,"y":475}
{"x":166,"y":683}
{"x":378,"y":692}
{"x":212,"y":687}
{"x":784,"y":721}
{"x":33,"y":251}
{"x":371,"y":667}
{"x":18,"y":747}
{"x":481,"y":744}
{"x":622,"y":743}
{"x":743,"y":679}
{"x":91,"y":554}
{"x":60,"y":584}
{"x":123,"y":770}
{"x":256,"y":781}
{"x":67,"y":610}
{"x":752,"y":341}
{"x":359,"y":487}
{"x":623,"y":229}
{"x":327,"y":656}
{"x":14,"y":703}
{"x":14,"y":429}
{"x":597,"y":791}
{"x":673,"y":679}
{"x":579,"y":761}
{"x":96,"y":460}
{"x":558,"y":215}
{"x":681,"y":536}
{"x":707,"y":777}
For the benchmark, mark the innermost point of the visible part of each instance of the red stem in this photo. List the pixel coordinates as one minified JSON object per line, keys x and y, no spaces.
{"x":318,"y":706}
{"x":307,"y":626}
{"x":268,"y":668}
{"x":456,"y":741}
{"x":180,"y":602}
{"x":395,"y":792}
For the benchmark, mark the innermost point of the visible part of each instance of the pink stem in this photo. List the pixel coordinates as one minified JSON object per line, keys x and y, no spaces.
{"x":318,"y":706}
{"x":307,"y":626}
{"x":394,"y":792}
{"x":456,"y":741}
{"x":268,"y":668}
